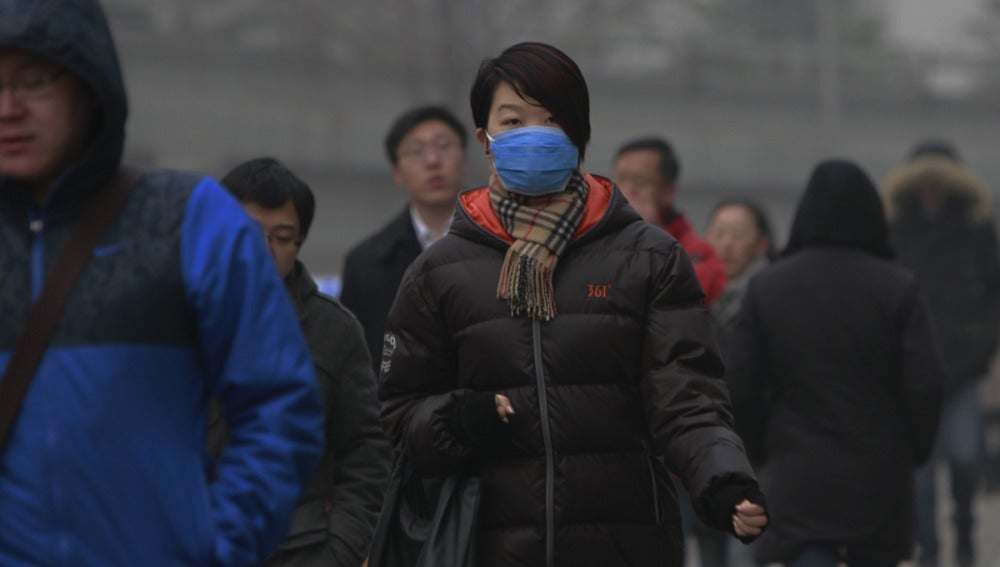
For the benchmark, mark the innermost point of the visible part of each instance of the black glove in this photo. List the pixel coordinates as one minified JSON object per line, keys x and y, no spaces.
{"x":720,"y":504}
{"x":474,"y":420}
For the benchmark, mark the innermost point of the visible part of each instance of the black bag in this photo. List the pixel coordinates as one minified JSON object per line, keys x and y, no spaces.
{"x":427,"y":522}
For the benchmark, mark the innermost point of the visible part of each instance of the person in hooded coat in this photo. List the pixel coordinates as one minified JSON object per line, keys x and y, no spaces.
{"x":105,"y":463}
{"x":940,"y":222}
{"x":558,"y":347}
{"x":836,"y":380}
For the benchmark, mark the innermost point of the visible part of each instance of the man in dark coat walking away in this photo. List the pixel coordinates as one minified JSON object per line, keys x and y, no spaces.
{"x":940,"y":225}
{"x":836,"y":381}
{"x":334,"y":521}
{"x":426,"y":149}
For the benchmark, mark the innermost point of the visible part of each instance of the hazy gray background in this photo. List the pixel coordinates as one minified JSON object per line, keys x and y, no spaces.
{"x":751,"y":92}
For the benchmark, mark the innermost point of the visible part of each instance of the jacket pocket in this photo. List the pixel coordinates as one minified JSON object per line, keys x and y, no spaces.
{"x":310,"y":524}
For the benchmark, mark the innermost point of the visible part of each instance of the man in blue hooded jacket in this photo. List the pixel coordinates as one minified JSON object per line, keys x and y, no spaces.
{"x":105,"y":463}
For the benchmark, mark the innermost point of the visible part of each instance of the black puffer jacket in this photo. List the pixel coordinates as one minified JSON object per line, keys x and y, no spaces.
{"x":626,"y":372}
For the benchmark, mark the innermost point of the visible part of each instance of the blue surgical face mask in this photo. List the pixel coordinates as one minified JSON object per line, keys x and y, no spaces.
{"x":534,"y":160}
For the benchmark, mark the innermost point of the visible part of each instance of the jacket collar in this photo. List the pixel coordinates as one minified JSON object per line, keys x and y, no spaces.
{"x":399,"y":233}
{"x":605,"y":211}
{"x":300,"y":286}
{"x":676,"y":223}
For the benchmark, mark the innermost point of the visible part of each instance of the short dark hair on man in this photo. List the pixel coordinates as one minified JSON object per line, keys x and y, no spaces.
{"x":935,"y":147}
{"x":670,"y":166}
{"x":415,"y":117}
{"x":267,"y":182}
{"x":544,"y":74}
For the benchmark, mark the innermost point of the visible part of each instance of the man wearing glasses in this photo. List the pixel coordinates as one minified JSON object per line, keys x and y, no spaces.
{"x":336,"y":516}
{"x":426,"y":151}
{"x":105,"y":463}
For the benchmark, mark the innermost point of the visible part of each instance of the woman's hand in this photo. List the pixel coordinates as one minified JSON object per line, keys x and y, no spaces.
{"x":504,"y":409}
{"x":749,"y":519}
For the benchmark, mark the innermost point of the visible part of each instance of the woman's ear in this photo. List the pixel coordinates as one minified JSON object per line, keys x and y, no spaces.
{"x":481,"y":136}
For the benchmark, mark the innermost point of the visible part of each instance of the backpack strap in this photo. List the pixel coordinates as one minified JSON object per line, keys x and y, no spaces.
{"x":46,"y":311}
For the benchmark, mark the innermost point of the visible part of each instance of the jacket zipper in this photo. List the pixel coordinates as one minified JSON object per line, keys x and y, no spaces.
{"x":35,"y":225}
{"x":543,"y":408}
{"x":652,"y":478}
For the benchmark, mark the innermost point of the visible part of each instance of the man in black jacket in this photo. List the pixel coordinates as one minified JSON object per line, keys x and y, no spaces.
{"x":941,"y":225}
{"x":426,"y":150}
{"x":336,"y":516}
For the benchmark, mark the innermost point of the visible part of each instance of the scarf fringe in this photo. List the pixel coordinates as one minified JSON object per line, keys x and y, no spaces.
{"x":526,"y":285}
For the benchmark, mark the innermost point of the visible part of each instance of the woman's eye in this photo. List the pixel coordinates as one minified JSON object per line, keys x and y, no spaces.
{"x":550,"y":120}
{"x":511,"y":122}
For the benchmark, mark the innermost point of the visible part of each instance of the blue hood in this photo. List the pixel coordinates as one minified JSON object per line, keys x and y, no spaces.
{"x":74,"y":34}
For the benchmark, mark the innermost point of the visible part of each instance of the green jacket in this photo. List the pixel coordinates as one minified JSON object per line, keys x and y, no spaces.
{"x":337,"y":511}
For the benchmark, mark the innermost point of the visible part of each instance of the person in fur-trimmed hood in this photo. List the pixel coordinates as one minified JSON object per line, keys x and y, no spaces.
{"x":940,"y":219}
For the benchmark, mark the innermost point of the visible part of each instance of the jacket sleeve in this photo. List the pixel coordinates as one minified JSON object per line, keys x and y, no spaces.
{"x":922,"y":374}
{"x":258,"y":365}
{"x":684,"y":395}
{"x":988,"y":323}
{"x":417,"y":384}
{"x":362,"y":456}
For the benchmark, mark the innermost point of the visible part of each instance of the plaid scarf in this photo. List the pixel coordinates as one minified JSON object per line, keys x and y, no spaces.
{"x":541,"y":228}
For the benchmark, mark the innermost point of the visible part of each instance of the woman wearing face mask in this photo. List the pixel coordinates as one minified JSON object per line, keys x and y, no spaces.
{"x":557,"y":346}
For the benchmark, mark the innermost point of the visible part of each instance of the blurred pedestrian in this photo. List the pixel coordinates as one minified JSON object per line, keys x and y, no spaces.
{"x":647,"y":170}
{"x":179,"y":302}
{"x":554,"y":344}
{"x":740,"y":232}
{"x":336,"y":516}
{"x":836,"y":379}
{"x":426,"y":151}
{"x":940,"y":218}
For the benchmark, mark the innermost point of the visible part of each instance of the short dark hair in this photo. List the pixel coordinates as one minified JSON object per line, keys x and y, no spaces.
{"x":670,"y":166}
{"x":760,"y":219}
{"x":544,"y":74}
{"x":266,"y":181}
{"x":415,"y":117}
{"x":935,"y":147}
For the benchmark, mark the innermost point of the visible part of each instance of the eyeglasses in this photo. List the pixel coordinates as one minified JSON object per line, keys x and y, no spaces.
{"x":32,"y":83}
{"x":282,"y":240}
{"x":629,"y":180}
{"x":420,"y":151}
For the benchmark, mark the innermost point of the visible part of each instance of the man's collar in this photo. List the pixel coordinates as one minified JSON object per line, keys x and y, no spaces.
{"x":425,"y":236}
